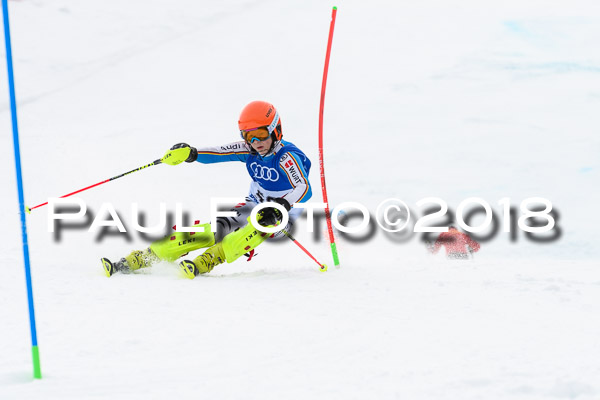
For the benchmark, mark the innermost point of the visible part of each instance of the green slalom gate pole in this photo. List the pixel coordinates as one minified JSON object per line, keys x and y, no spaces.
{"x":37,"y":371}
{"x":334,"y":252}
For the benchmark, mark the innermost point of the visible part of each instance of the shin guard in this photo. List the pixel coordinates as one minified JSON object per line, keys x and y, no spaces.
{"x":242,"y":241}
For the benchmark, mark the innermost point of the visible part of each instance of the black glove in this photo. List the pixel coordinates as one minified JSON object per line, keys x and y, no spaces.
{"x":271,"y":215}
{"x":282,"y":201}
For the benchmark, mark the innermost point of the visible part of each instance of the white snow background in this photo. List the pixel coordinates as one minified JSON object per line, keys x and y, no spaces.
{"x":428,"y":98}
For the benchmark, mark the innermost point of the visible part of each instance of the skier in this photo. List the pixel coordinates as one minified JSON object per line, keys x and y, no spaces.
{"x":458,"y":245}
{"x":279,"y":172}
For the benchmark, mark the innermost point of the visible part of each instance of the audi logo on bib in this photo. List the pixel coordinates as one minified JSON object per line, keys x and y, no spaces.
{"x":264,"y":173}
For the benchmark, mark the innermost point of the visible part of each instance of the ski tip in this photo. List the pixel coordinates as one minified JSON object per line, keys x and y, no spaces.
{"x":188,"y":268}
{"x":323,"y":267}
{"x":108,"y":267}
{"x":335,"y":8}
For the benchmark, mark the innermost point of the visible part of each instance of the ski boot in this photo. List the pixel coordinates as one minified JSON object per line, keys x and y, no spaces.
{"x":136,"y":260}
{"x":232,"y":247}
{"x":204,"y":263}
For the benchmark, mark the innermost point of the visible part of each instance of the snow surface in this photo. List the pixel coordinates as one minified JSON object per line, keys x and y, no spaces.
{"x":424,"y":99}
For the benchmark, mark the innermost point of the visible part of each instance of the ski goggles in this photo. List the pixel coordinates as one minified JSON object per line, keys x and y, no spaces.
{"x":250,"y":135}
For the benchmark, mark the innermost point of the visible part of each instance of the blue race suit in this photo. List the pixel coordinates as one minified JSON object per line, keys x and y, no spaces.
{"x":283,"y":172}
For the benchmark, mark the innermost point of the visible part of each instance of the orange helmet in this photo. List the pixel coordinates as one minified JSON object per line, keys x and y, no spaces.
{"x":260,"y":114}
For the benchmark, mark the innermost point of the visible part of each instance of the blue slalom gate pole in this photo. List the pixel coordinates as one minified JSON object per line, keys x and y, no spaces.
{"x":37,"y":372}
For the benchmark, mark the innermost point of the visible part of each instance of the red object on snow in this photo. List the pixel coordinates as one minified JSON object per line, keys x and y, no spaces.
{"x":458,"y":244}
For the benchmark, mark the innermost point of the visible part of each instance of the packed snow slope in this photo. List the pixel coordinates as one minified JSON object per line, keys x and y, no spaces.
{"x":424,"y":99}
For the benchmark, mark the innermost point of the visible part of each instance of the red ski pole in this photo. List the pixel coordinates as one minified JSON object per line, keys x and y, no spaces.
{"x":99,"y":183}
{"x":327,"y":212}
{"x":322,"y":267}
